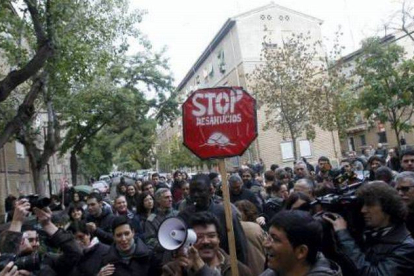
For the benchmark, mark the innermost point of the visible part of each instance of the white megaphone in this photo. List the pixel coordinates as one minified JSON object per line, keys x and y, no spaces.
{"x":174,"y":234}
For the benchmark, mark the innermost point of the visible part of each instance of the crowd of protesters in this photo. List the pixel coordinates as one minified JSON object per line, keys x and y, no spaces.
{"x":357,"y":219}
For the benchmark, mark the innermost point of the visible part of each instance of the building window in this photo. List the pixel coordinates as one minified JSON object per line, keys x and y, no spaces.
{"x":19,"y":150}
{"x":351,"y":144}
{"x":221,"y":61}
{"x":287,"y":150}
{"x":382,"y":137}
{"x":363,"y":141}
{"x":210,"y":70}
{"x":305,"y":148}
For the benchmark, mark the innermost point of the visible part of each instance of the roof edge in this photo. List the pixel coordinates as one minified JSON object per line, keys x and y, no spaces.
{"x":273,"y":5}
{"x":225,"y":29}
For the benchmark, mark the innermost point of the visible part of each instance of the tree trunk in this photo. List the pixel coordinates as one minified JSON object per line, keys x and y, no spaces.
{"x":74,"y":168}
{"x":334,"y":144}
{"x":37,"y":176}
{"x":37,"y":173}
{"x":397,"y":135}
{"x":295,"y":153}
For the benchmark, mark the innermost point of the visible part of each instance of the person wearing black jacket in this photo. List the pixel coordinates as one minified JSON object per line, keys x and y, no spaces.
{"x":239,"y":192}
{"x":405,"y":187}
{"x":388,"y":248}
{"x":121,"y":209}
{"x":127,"y":256}
{"x":92,"y":249}
{"x":99,"y":219}
{"x":201,"y":196}
{"x":13,"y":241}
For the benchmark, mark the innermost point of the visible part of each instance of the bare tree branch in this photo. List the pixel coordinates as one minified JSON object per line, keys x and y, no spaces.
{"x":25,"y":112}
{"x":44,"y":51}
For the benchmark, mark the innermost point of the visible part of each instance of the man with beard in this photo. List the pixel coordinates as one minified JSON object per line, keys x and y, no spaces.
{"x":388,"y":247}
{"x":205,"y":257}
{"x":292,"y":246}
{"x":322,"y":170}
{"x":249,"y":182}
{"x":201,"y":196}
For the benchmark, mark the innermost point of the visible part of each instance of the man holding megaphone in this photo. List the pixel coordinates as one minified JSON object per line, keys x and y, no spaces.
{"x":204,"y":257}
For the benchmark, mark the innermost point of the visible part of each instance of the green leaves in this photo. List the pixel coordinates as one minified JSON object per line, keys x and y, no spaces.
{"x":96,"y":89}
{"x":388,"y":78}
{"x":286,"y":83}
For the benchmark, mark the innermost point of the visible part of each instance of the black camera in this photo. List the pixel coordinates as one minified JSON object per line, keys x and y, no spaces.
{"x":30,"y":262}
{"x":342,"y":201}
{"x":334,"y":202}
{"x":38,"y":201}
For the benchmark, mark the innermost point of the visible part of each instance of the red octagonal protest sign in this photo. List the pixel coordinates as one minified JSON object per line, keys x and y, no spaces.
{"x":219,"y":122}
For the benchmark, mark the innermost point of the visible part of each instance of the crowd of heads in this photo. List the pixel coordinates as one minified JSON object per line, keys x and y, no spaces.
{"x":290,"y":209}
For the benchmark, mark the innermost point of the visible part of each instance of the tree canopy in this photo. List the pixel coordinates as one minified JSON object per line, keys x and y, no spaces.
{"x":286,"y":85}
{"x":87,"y":85}
{"x":387,"y":79}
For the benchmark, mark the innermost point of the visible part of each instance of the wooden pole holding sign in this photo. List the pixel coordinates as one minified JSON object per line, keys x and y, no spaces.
{"x":229,"y":218}
{"x":218,"y":123}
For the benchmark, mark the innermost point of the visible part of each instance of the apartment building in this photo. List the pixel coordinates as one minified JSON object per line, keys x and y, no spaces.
{"x":234,"y":52}
{"x":366,"y":133}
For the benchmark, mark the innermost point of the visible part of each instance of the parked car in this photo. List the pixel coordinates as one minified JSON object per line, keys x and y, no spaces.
{"x":102,"y":186}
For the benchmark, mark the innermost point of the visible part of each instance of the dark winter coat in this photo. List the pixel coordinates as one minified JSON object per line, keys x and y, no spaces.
{"x":271,"y":207}
{"x":409,"y":221}
{"x":140,"y":263}
{"x":51,"y":264}
{"x":392,"y":254}
{"x":103,"y":226}
{"x":61,"y":263}
{"x":90,"y":263}
{"x":247,"y":195}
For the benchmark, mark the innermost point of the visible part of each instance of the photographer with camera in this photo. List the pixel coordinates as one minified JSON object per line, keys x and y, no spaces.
{"x":13,"y":243}
{"x":388,"y":247}
{"x":12,"y":240}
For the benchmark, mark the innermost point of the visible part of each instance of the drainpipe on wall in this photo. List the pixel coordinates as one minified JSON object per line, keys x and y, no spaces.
{"x":6,"y":176}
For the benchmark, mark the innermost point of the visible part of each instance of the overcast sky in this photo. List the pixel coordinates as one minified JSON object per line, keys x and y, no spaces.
{"x":186,"y":27}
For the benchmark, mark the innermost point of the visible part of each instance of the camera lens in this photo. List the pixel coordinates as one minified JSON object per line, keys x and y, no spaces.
{"x":29,"y":263}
